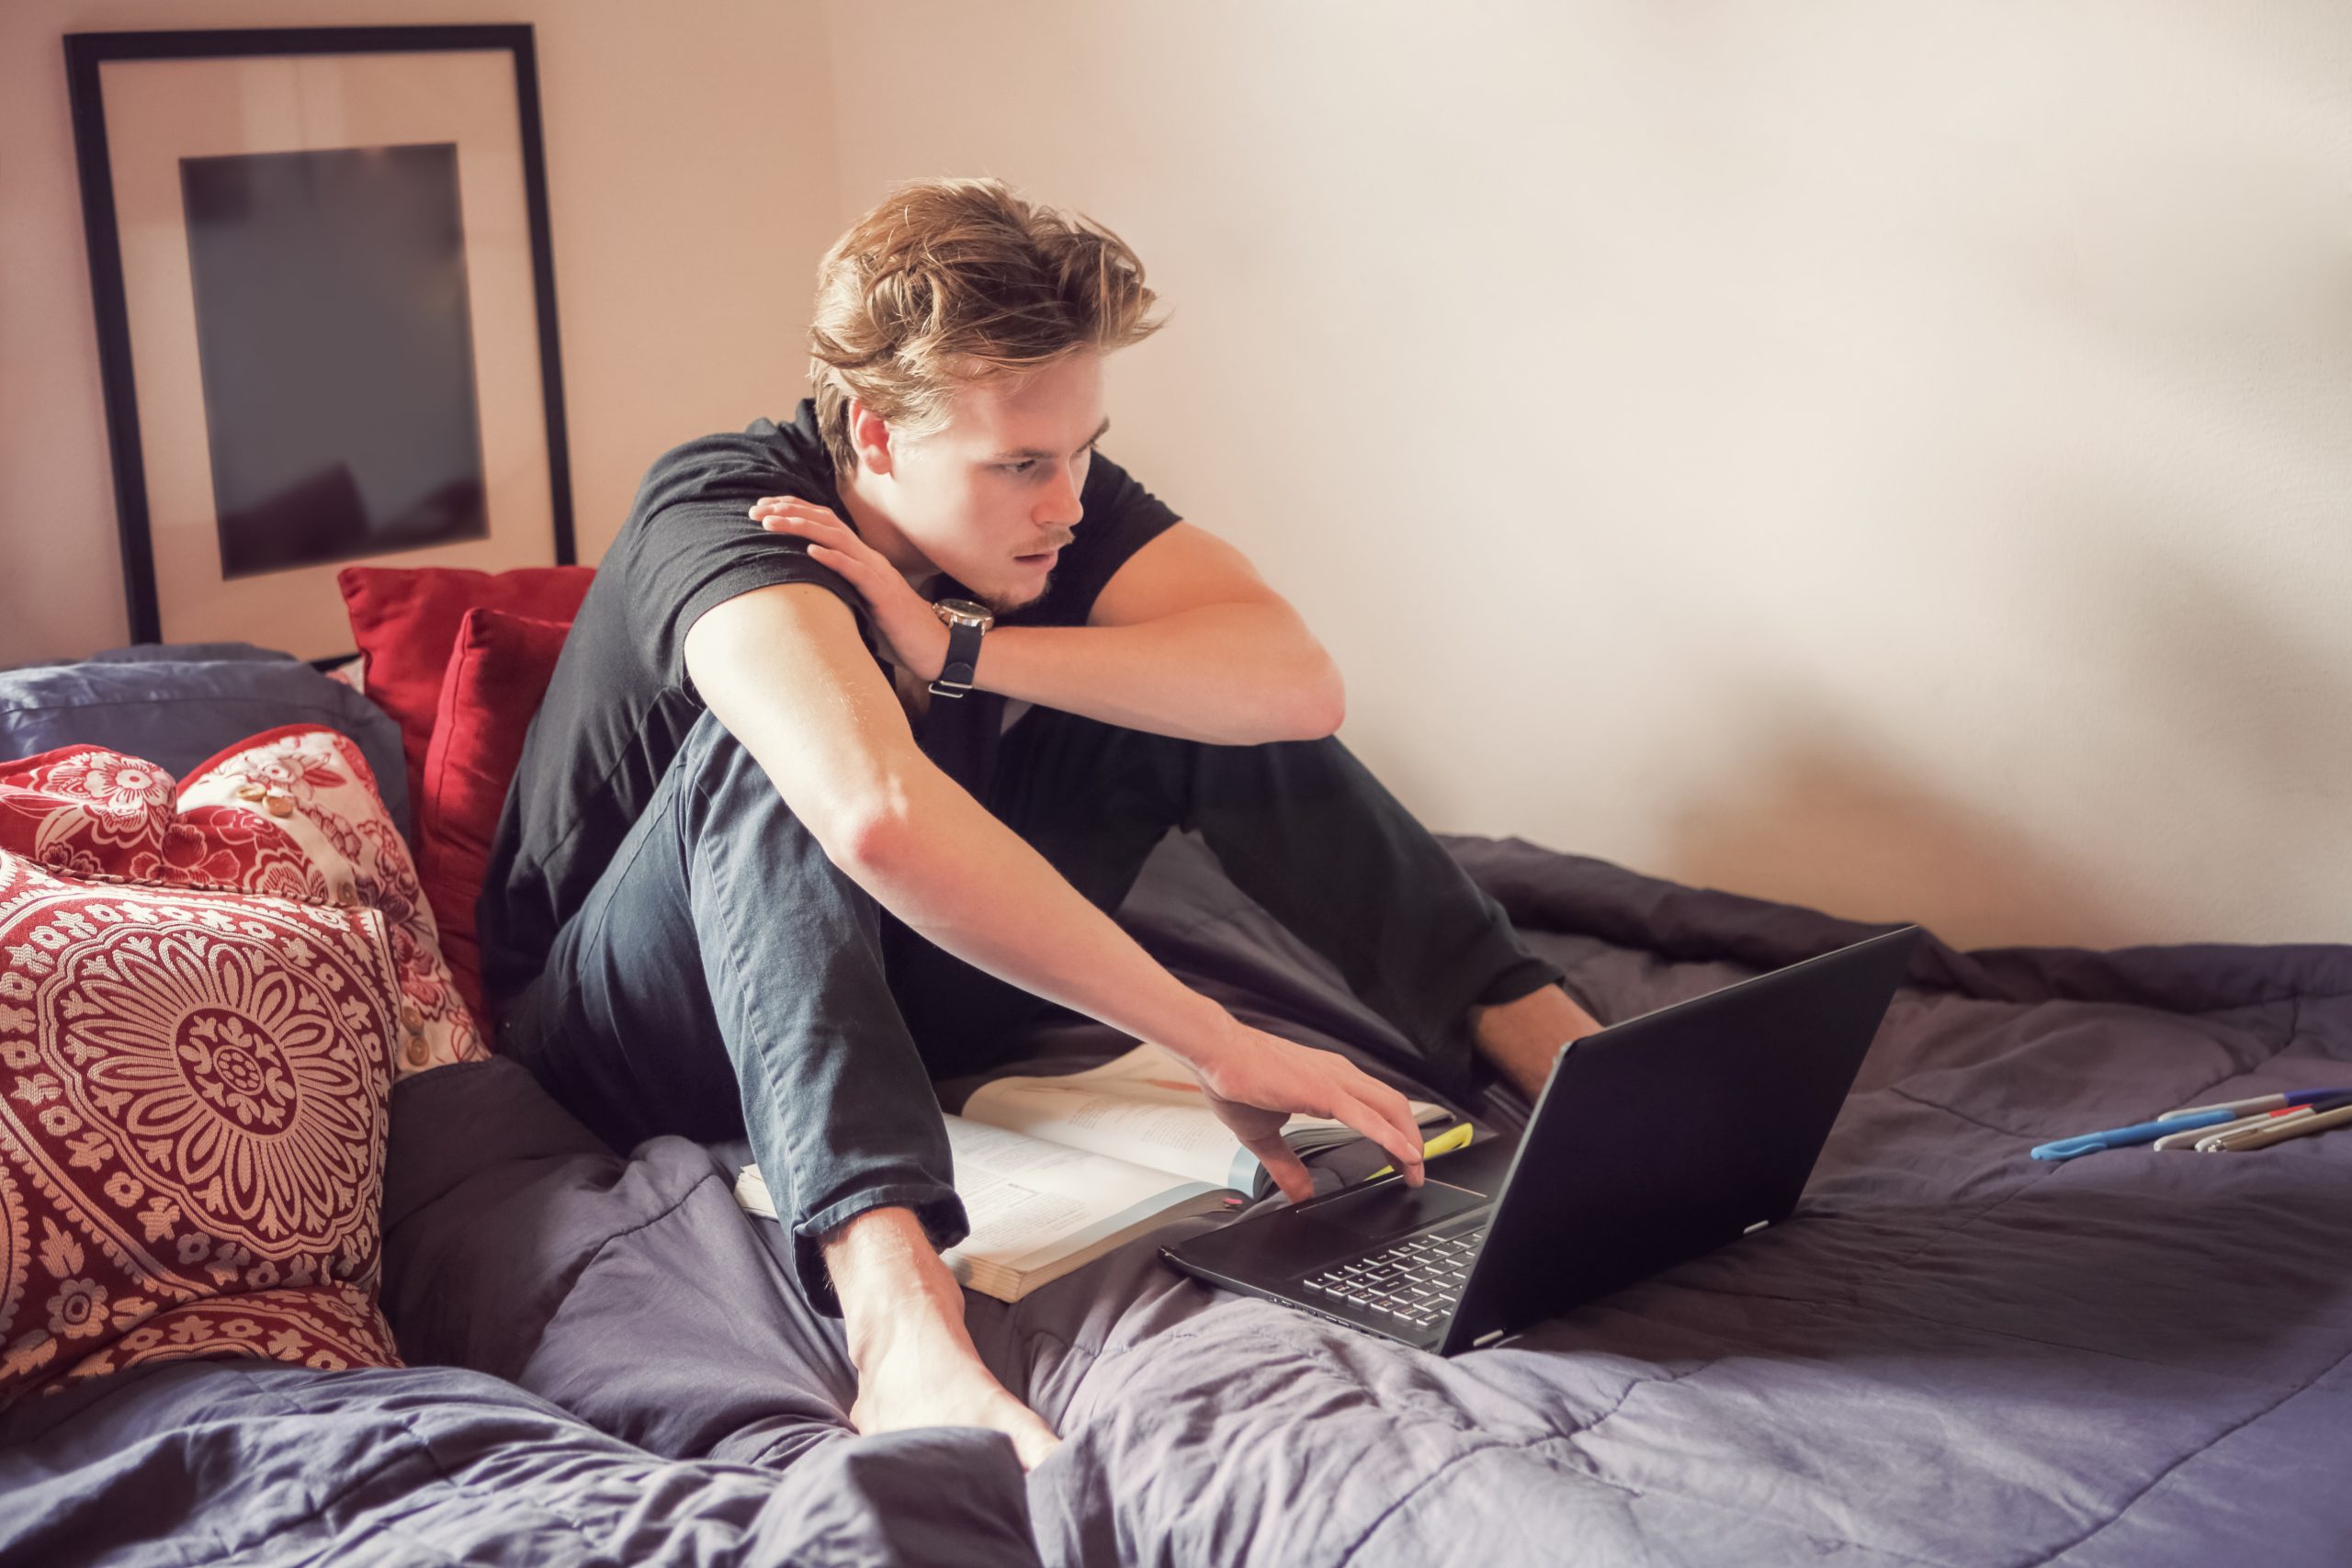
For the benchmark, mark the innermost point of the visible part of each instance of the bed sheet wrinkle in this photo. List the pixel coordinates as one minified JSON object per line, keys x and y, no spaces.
{"x":1923,"y":1100}
{"x":1348,"y":1552}
{"x":1832,"y":1547}
{"x":2232,"y":1504}
{"x":1632,"y":1387}
{"x":2189,"y":1456}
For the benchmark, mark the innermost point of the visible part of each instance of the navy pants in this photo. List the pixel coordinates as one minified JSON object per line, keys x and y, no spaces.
{"x":726,"y":979}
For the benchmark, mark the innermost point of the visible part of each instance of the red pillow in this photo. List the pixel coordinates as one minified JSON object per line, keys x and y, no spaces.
{"x":406,"y":620}
{"x":197,"y":1039}
{"x":498,"y":673}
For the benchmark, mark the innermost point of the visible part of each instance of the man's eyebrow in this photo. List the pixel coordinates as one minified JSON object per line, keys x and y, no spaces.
{"x":1099,"y":431}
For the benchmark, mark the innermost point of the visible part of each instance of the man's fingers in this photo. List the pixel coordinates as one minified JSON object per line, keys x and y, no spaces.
{"x":1392,"y":1104}
{"x":1285,"y":1166}
{"x":777,"y":522}
{"x":823,"y":532}
{"x":782,"y":509}
{"x":1396,"y":1113}
{"x":1403,"y":1144}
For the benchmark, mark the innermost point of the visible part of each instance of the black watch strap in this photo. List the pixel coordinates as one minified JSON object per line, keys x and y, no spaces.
{"x":963,"y":661}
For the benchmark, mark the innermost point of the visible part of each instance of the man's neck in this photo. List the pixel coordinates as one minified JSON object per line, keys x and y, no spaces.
{"x":873,"y":524}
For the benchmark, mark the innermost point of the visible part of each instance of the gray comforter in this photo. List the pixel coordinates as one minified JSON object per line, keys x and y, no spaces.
{"x":1953,"y":1355}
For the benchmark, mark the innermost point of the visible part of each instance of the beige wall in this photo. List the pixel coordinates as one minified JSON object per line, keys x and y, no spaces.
{"x":691,"y":190}
{"x":1888,"y":457}
{"x":1892,"y":459}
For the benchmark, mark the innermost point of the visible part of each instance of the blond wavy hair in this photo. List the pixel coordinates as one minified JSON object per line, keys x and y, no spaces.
{"x":949,"y":283}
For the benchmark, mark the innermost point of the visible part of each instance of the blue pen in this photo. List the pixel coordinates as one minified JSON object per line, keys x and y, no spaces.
{"x":2259,"y":1102}
{"x":2139,"y":1132}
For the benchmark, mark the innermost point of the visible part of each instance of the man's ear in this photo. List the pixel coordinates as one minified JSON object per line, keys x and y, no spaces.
{"x":870,"y":436}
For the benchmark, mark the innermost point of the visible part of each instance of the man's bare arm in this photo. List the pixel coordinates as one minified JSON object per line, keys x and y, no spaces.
{"x":783,"y":669}
{"x":1185,"y":639}
{"x":1221,"y":673}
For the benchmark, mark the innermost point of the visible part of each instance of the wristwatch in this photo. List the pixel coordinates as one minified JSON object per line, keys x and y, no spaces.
{"x":966,"y":624}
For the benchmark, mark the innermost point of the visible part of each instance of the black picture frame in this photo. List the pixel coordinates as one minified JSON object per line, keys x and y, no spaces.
{"x":86,"y":55}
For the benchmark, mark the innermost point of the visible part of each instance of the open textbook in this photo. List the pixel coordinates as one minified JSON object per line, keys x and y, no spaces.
{"x":1057,"y":1172}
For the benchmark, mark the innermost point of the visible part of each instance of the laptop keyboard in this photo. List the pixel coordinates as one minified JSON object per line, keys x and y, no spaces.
{"x":1415,"y":1283}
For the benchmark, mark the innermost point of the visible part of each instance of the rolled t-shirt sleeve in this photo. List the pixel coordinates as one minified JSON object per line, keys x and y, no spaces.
{"x":725,"y":563}
{"x":696,"y":547}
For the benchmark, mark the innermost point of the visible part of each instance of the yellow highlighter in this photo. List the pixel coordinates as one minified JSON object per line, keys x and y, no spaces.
{"x":1445,"y":1143}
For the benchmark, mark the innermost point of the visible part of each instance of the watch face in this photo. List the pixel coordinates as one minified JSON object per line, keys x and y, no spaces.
{"x":963,"y":610}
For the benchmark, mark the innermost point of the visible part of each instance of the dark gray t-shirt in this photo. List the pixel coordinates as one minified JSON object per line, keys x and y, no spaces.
{"x":621,"y":703}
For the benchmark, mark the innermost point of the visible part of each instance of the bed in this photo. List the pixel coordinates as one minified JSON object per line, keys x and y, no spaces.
{"x":1953,"y":1355}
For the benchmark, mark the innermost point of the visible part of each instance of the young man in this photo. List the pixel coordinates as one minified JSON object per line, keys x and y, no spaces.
{"x":778,"y":853}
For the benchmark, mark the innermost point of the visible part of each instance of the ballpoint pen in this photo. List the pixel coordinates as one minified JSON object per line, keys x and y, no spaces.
{"x":2205,"y":1140}
{"x":1446,"y":1142}
{"x":2209,"y":1139}
{"x":2284,"y":1128}
{"x":2138,"y":1132}
{"x":2200,"y":1132}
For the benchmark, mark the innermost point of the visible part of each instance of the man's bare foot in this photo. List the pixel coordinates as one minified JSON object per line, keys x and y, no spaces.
{"x":904,"y":1317}
{"x":1523,"y":1037}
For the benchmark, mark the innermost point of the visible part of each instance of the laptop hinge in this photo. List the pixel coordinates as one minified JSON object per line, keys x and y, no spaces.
{"x":1489,"y":1337}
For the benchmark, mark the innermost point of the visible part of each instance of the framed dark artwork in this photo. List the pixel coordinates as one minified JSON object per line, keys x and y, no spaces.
{"x":326,"y":316}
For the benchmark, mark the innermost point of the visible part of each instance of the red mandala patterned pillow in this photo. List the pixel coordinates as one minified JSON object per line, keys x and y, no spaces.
{"x":314,"y":784}
{"x":198,"y":1023}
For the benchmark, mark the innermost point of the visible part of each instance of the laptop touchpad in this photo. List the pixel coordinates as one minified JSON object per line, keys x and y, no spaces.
{"x":1395,"y":1207}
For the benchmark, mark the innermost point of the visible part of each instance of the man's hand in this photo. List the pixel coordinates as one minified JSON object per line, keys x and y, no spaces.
{"x":1255,"y":1081}
{"x":911,"y":634}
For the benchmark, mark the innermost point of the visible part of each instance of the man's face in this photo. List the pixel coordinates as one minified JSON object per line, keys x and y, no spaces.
{"x":993,"y":498}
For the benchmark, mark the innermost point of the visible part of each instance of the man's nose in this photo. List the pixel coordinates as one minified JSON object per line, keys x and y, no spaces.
{"x":1060,"y":504}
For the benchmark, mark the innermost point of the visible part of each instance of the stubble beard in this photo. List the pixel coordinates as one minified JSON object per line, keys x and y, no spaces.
{"x":1002,"y":605}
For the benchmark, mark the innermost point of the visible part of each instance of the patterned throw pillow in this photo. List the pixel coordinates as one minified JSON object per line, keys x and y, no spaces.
{"x":314,"y":784}
{"x":200,"y":1012}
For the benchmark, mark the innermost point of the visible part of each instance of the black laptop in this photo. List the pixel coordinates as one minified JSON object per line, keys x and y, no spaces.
{"x":1654,"y":1141}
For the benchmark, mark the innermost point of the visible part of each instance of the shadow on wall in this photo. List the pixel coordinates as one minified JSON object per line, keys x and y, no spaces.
{"x":2191,"y":677}
{"x":1825,"y":824}
{"x":2252,"y":712}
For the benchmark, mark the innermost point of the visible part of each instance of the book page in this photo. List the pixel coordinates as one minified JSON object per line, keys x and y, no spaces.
{"x":1145,"y":1107}
{"x":1024,"y":1197}
{"x":1031,"y":1204}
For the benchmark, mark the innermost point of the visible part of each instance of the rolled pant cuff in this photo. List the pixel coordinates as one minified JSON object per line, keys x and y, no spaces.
{"x":1450,"y":1052}
{"x":1524,"y":979}
{"x":937,"y":1208}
